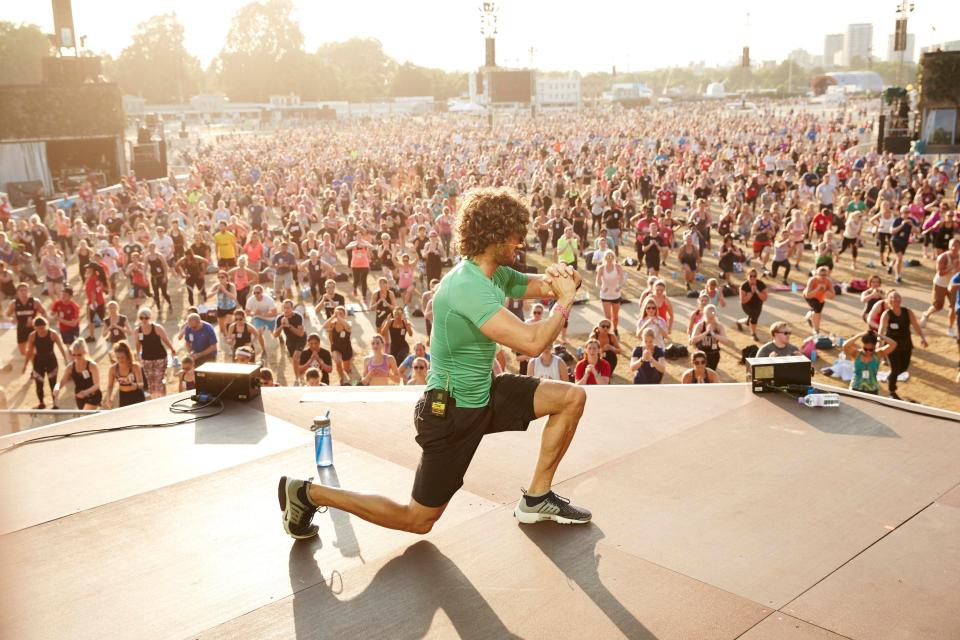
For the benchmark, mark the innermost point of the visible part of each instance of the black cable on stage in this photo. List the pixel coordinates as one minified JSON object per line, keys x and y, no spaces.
{"x":174,"y":408}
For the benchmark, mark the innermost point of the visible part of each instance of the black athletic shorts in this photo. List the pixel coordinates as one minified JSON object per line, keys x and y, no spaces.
{"x":815,"y":305}
{"x":449,"y":443}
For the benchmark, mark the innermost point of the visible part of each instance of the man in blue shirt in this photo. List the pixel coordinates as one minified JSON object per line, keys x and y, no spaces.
{"x":201,"y":339}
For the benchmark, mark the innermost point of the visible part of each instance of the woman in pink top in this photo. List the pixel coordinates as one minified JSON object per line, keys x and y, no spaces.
{"x":254,"y":250}
{"x":359,"y":251}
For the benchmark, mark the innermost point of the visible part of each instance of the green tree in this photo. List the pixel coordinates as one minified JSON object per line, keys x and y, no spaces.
{"x":22,"y":49}
{"x":411,"y":80}
{"x":363,"y":69}
{"x":263,"y":53}
{"x":156,"y":65}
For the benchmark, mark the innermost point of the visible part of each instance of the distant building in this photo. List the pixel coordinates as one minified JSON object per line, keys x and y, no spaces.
{"x":629,"y":92}
{"x":856,"y":81}
{"x":558,"y":91}
{"x":832,"y":44}
{"x":952,"y":45}
{"x":801,"y":57}
{"x":858,"y":43}
{"x":895,"y":56}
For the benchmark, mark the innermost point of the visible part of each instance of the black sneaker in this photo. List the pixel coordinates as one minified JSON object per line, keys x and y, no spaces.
{"x":297,"y":509}
{"x":550,"y":507}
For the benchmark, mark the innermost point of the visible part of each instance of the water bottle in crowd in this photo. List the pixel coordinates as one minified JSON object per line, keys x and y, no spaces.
{"x":322,"y":444}
{"x":176,"y":362}
{"x":820,"y":400}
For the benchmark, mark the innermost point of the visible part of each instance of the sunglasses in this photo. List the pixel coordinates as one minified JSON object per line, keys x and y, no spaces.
{"x":419,"y":368}
{"x":144,"y":317}
{"x":786,"y":333}
{"x":538,"y":313}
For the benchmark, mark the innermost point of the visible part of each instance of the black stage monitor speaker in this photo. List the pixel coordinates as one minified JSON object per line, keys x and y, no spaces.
{"x":234,"y":381}
{"x":788,"y":373}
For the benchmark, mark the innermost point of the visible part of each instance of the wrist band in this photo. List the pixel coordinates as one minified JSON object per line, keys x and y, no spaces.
{"x":563,"y":310}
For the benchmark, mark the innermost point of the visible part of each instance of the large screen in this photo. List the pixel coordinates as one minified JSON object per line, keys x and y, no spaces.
{"x":511,"y":86}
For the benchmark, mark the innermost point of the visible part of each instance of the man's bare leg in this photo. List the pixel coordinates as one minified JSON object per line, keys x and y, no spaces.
{"x":379,"y":510}
{"x":564,"y":403}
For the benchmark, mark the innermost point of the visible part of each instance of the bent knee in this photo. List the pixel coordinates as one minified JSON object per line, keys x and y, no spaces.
{"x":575,"y":399}
{"x":420,"y":526}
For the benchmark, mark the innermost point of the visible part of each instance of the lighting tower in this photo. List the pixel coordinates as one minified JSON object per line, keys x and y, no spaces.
{"x":488,"y":29}
{"x":904,"y":9}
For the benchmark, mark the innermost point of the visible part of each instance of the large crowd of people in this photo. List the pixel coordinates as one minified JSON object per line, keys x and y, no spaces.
{"x":274,"y":246}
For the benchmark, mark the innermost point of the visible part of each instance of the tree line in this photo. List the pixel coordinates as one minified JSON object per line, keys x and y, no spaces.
{"x":264,"y":55}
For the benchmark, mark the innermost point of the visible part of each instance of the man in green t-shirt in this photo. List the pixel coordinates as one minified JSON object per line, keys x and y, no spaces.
{"x":463,"y":401}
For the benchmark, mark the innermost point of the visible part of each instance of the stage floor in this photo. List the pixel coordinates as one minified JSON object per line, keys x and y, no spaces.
{"x":717,"y":514}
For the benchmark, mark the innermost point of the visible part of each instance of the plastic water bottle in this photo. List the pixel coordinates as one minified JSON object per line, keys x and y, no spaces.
{"x":176,"y":362}
{"x":793,"y":287}
{"x":813,"y":355}
{"x":322,"y":444}
{"x":840,"y":340}
{"x":820,"y":400}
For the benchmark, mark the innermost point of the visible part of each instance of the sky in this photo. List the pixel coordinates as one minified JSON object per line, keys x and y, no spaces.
{"x":564,"y":35}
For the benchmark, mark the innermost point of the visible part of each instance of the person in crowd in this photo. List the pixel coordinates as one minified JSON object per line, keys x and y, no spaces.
{"x":689,"y":257}
{"x":66,"y":311}
{"x":947,"y":265}
{"x":419,"y":351}
{"x":242,"y":276}
{"x":340,"y":331}
{"x":648,"y":361}
{"x":152,"y":344}
{"x":753,"y":293}
{"x":241,"y":333}
{"x":187,"y":376}
{"x":262,"y":310}
{"x":267,"y":378}
{"x":329,"y":301}
{"x":610,"y":280}
{"x":866,"y":353}
{"x":314,"y":356}
{"x":360,"y":251}
{"x":904,"y":227}
{"x":896,"y":323}
{"x":25,"y":309}
{"x":192,"y":268}
{"x":548,"y":366}
{"x":818,"y":290}
{"x":85,"y":375}
{"x":708,"y":334}
{"x":40,"y":354}
{"x":394,"y":331}
{"x":290,"y":324}
{"x":201,"y":339}
{"x":715,"y":294}
{"x":384,"y":302}
{"x":127,"y":375}
{"x":779,"y":345}
{"x":115,"y":325}
{"x":312,"y":378}
{"x":610,"y":347}
{"x":872,"y":299}
{"x":96,"y":290}
{"x":730,"y":256}
{"x":159,"y":275}
{"x":591,"y":368}
{"x":699,"y":373}
{"x":420,"y":367}
{"x":284,"y":265}
{"x":226,"y":295}
{"x":379,"y":368}
{"x":650,"y":319}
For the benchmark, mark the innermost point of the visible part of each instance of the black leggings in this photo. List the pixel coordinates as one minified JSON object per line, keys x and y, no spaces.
{"x":40,"y":374}
{"x":360,"y":280}
{"x":899,"y":362}
{"x":196,"y":283}
{"x":160,"y":287}
{"x":543,"y":236}
{"x":713,"y":358}
{"x":775,"y":266}
{"x":852,"y":243}
{"x":316,"y":289}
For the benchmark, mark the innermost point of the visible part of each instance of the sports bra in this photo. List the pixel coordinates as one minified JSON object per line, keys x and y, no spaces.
{"x":384,"y":366}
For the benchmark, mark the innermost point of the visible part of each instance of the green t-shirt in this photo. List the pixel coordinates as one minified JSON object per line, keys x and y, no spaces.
{"x":459,"y":352}
{"x":567,"y":249}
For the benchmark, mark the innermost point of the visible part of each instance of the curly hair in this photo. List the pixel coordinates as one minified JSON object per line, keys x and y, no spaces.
{"x":490,"y":216}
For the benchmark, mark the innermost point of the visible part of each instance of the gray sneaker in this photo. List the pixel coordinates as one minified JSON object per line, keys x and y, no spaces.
{"x":551,"y":507}
{"x":297,"y":509}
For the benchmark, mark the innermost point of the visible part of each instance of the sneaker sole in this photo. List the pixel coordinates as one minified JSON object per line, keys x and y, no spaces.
{"x":526,"y":517}
{"x":282,"y":496}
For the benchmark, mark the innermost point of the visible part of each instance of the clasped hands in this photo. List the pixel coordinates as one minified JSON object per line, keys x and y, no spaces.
{"x":563,"y":280}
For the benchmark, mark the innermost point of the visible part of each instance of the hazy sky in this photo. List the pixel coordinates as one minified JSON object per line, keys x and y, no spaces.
{"x":633,"y":35}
